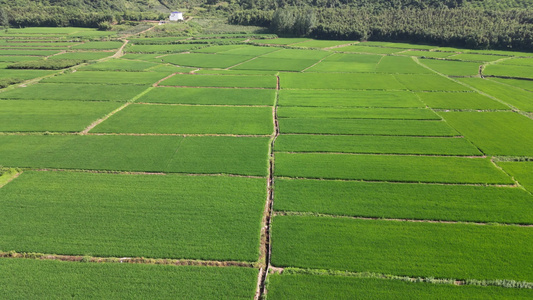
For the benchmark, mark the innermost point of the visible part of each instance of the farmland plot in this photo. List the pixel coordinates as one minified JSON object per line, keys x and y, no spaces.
{"x":340,"y":81}
{"x":33,"y":279}
{"x":24,"y":74}
{"x":276,"y":64}
{"x":495,"y":133}
{"x":322,"y":43}
{"x":405,"y":201}
{"x":347,"y":63}
{"x":134,"y":215}
{"x":374,"y":144}
{"x":120,"y":65}
{"x":357,"y":113}
{"x":108,"y":45}
{"x":429,"y":54}
{"x":172,"y":95}
{"x":523,"y":84}
{"x":416,"y":82}
{"x":348,"y":98}
{"x":460,"y":100}
{"x":189,"y":120}
{"x":477,"y":57}
{"x":50,"y":115}
{"x":509,"y":71}
{"x":367,"y":49}
{"x":105,"y":77}
{"x":453,"y":68}
{"x":521,"y":171}
{"x":205,"y":60}
{"x":508,"y":94}
{"x":257,"y":81}
{"x":75,"y":91}
{"x":173,"y":154}
{"x":400,"y":65}
{"x":82,"y":55}
{"x":314,"y":286}
{"x":366,"y":126}
{"x":407,"y":248}
{"x":162,"y":48}
{"x":390,"y":168}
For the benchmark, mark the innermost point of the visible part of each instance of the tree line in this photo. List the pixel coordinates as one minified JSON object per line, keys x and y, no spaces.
{"x":460,"y":27}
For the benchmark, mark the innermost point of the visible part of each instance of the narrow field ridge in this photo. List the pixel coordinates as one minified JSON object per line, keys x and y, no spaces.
{"x":97,"y":122}
{"x":294,"y":213}
{"x":182,"y":134}
{"x":210,"y":105}
{"x":215,"y":87}
{"x":130,"y":260}
{"x":451,"y":281}
{"x":382,"y":154}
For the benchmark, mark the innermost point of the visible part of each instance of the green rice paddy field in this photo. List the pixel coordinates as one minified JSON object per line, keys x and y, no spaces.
{"x":274,"y":168}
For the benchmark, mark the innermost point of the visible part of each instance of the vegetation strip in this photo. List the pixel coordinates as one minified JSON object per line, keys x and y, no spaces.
{"x":500,"y":283}
{"x":296,"y":213}
{"x":130,"y":260}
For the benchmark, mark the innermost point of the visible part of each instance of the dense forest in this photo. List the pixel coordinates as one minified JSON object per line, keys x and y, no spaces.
{"x":501,"y":24}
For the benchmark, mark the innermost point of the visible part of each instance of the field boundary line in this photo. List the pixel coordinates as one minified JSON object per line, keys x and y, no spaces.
{"x":317,"y":62}
{"x":99,"y":121}
{"x":253,"y":58}
{"x":492,"y":160}
{"x":266,"y":223}
{"x":120,"y":51}
{"x":140,"y":172}
{"x":400,"y":182}
{"x":484,"y":65}
{"x":505,"y":283}
{"x":161,"y":80}
{"x":323,"y":215}
{"x":395,"y":135}
{"x":130,"y":260}
{"x":339,"y":46}
{"x":181,"y":134}
{"x":216,"y":87}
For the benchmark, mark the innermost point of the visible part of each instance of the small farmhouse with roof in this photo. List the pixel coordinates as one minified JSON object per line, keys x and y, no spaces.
{"x":176,"y":16}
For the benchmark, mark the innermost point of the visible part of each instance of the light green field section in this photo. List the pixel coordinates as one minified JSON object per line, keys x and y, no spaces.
{"x":400,"y":65}
{"x":134,"y":215}
{"x":453,"y":100}
{"x":523,"y":84}
{"x":452,"y":68}
{"x":189,"y":120}
{"x":107,"y":45}
{"x":257,"y":81}
{"x":403,"y":248}
{"x":521,"y":171}
{"x":495,"y":133}
{"x":107,"y":77}
{"x":11,"y":59}
{"x":28,"y":52}
{"x":518,"y":61}
{"x":322,"y":43}
{"x":249,"y":50}
{"x":205,"y":60}
{"x":162,"y":49}
{"x":429,"y":54}
{"x":208,"y":155}
{"x":342,"y":62}
{"x":218,"y":48}
{"x":340,"y":81}
{"x":398,"y":45}
{"x":209,"y":96}
{"x":349,"y":98}
{"x":428,"y":82}
{"x":366,"y":126}
{"x":36,"y":279}
{"x":374,"y":144}
{"x":74,"y":91}
{"x":119,"y":65}
{"x":357,"y":113}
{"x":365,"y":49}
{"x":276,"y":64}
{"x":508,"y":94}
{"x":280,"y":41}
{"x":82,"y":55}
{"x":303,"y":286}
{"x":50,"y":115}
{"x":477,"y":57}
{"x":509,"y":71}
{"x":24,"y":74}
{"x":390,"y":168}
{"x":405,"y":201}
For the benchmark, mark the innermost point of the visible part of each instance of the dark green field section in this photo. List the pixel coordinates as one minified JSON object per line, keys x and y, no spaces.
{"x":429,"y":82}
{"x":509,"y":70}
{"x":160,"y":48}
{"x":368,"y":81}
{"x":36,"y":279}
{"x":405,"y":201}
{"x":28,"y":52}
{"x":357,"y":113}
{"x":307,"y":286}
{"x":512,"y":95}
{"x":157,"y":216}
{"x":202,"y":60}
{"x":495,"y":133}
{"x":211,"y":155}
{"x":364,"y":49}
{"x":521,"y":171}
{"x":106,"y":77}
{"x":233,"y":81}
{"x":390,"y":168}
{"x":119,"y":65}
{"x":349,"y":98}
{"x":189,"y":119}
{"x":50,"y":115}
{"x":276,"y":64}
{"x":209,"y":96}
{"x":452,"y":100}
{"x":460,"y":251}
{"x":74,"y":91}
{"x":452,"y":68}
{"x":366,"y":126}
{"x":104,"y":45}
{"x":374,"y":144}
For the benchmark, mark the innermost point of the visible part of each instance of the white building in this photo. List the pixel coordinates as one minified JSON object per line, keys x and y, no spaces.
{"x":176,"y":16}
